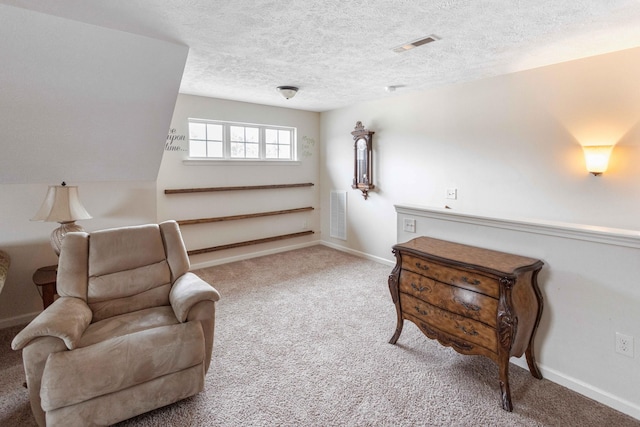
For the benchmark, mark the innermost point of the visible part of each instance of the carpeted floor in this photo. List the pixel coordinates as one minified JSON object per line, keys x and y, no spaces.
{"x":301,"y":340}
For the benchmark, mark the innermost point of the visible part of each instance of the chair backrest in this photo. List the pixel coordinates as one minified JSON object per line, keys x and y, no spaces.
{"x":124,"y":269}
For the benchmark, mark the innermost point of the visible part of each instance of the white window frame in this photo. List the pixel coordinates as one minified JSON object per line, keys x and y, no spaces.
{"x":226,"y":144}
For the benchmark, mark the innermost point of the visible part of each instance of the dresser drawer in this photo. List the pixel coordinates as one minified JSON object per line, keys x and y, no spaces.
{"x":464,"y":279}
{"x":453,"y":324}
{"x":452,"y":298}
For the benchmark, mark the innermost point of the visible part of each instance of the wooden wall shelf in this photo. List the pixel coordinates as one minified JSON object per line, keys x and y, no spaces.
{"x":243,"y":216}
{"x":240,"y":188}
{"x":248,"y":243}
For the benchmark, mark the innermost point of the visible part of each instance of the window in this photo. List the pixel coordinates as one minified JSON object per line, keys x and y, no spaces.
{"x":240,"y":141}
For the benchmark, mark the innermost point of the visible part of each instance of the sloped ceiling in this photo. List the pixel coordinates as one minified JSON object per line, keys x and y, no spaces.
{"x":80,"y":102}
{"x":340,"y":52}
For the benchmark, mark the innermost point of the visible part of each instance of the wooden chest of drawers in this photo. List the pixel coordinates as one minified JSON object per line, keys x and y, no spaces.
{"x":475,"y":300}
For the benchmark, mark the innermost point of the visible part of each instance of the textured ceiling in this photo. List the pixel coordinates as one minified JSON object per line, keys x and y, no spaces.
{"x":339,"y":52}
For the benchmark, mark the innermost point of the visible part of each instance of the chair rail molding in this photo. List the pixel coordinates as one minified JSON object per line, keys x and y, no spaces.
{"x":589,"y":233}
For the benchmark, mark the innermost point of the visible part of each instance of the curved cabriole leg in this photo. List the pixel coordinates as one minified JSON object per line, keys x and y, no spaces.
{"x":396,"y":335}
{"x":531,"y":362}
{"x":507,"y":330}
{"x":504,"y":387}
{"x":394,"y":280}
{"x":531,"y":359}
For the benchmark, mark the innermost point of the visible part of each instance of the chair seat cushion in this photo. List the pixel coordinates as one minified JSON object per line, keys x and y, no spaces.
{"x":128,"y":323}
{"x":123,"y":361}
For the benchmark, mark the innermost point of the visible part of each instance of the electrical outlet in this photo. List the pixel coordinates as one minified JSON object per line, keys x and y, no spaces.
{"x":624,"y":344}
{"x":452,"y":193}
{"x":409,"y":225}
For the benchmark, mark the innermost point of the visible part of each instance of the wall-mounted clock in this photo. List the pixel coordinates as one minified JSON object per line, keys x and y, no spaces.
{"x":363,"y":153}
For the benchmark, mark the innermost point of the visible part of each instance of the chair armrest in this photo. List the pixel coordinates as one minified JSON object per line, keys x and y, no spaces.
{"x":67,"y":318}
{"x":187,"y":291}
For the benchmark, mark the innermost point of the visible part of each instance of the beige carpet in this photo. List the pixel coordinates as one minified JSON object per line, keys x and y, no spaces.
{"x":301,"y":340}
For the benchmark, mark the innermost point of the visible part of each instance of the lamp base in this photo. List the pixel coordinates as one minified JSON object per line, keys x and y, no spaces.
{"x":58,"y":234}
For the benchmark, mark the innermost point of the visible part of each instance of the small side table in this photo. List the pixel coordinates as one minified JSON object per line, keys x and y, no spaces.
{"x":45,"y":278}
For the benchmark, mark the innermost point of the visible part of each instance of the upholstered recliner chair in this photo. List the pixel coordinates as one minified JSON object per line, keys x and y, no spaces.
{"x":131,"y":331}
{"x":5,"y":261}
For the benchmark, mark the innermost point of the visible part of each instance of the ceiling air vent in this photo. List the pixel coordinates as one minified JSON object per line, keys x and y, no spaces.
{"x":415,"y":43}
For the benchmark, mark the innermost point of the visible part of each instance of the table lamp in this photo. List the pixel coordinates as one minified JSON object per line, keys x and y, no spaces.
{"x":62,"y":205}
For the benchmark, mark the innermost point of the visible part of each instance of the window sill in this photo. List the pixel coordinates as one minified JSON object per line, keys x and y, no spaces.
{"x":244,"y":162}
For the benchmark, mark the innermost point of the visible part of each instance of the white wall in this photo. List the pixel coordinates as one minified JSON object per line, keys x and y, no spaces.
{"x":511,"y":145}
{"x":174,"y":173}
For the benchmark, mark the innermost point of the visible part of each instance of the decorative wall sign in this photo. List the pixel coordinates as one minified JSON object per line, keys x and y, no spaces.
{"x":174,"y":141}
{"x":307,"y":146}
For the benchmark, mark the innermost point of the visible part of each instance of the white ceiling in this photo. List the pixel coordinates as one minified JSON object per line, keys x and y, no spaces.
{"x":339,"y":51}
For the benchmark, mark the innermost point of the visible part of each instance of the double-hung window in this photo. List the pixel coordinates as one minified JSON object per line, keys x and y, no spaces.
{"x":218,"y":140}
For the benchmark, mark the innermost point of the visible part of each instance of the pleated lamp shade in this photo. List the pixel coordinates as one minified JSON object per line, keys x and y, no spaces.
{"x":62,"y":205}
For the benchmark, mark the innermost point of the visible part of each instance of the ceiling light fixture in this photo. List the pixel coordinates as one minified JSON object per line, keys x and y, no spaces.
{"x":418,"y":42}
{"x":287,"y":91}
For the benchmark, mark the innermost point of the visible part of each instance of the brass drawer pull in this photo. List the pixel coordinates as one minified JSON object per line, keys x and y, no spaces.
{"x":422,"y":266}
{"x":468,"y":306}
{"x":471,"y":332}
{"x":420,"y":311}
{"x":474,"y":282}
{"x":419,"y":288}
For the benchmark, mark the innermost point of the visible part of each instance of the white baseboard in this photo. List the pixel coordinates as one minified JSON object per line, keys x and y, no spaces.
{"x":23,"y":319}
{"x":253,"y":255}
{"x":358,"y":253}
{"x":588,"y":390}
{"x":221,"y":261}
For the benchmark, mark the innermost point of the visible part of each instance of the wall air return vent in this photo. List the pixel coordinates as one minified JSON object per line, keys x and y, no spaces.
{"x":338,"y":212}
{"x":419,"y":42}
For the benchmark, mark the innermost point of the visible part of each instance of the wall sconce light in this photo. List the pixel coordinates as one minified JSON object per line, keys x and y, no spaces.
{"x":597,"y":158}
{"x":287,"y":91}
{"x":62,"y":205}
